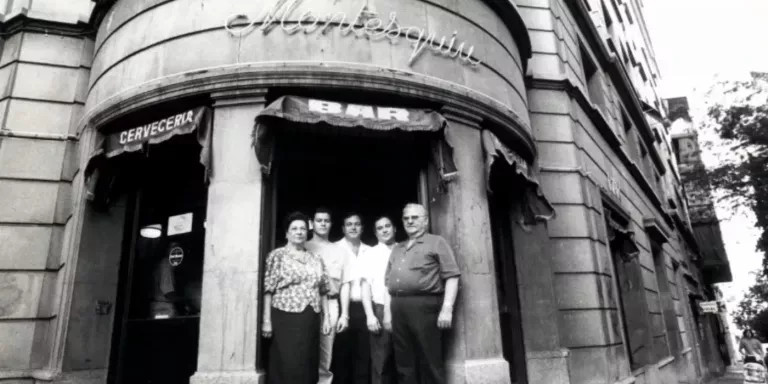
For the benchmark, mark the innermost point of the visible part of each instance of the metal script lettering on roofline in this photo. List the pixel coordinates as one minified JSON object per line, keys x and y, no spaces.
{"x":366,"y":24}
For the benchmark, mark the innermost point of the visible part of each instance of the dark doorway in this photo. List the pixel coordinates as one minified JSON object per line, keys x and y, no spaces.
{"x":368,"y":172}
{"x":505,"y":194}
{"x":158,"y":309}
{"x":371,"y":173}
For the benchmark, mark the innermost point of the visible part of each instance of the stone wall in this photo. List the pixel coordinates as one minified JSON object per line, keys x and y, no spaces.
{"x":43,"y":84}
{"x":584,"y":159}
{"x":143,"y":41}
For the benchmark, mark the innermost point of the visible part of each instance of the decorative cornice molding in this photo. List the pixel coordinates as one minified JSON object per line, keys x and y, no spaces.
{"x":349,"y":76}
{"x":24,"y":23}
{"x":463,"y":116}
{"x":239,"y":97}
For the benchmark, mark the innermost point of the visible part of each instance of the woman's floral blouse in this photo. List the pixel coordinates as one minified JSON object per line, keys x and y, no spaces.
{"x":295,"y":279}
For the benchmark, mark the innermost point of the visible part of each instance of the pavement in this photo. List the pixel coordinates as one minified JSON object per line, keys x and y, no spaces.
{"x":733,"y":375}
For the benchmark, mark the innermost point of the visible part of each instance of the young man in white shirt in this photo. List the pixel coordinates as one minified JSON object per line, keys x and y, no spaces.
{"x":334,"y":264}
{"x":376,"y":303}
{"x":351,"y":352}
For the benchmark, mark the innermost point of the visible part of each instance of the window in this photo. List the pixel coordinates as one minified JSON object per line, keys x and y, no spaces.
{"x":592,"y":78}
{"x":617,"y":11}
{"x":607,"y":15}
{"x":631,"y":292}
{"x":672,"y":342}
{"x":629,"y":14}
{"x":631,"y":137}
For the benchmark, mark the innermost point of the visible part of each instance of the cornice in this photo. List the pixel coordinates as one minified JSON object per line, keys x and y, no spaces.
{"x":346,"y":76}
{"x":24,"y":23}
{"x":619,"y":77}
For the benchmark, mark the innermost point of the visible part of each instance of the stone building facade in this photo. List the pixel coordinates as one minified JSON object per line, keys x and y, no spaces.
{"x":138,"y":134}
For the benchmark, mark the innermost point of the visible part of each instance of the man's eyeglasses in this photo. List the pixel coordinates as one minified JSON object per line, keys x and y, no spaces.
{"x":406,"y":218}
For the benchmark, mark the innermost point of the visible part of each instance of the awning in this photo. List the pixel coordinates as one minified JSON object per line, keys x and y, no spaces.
{"x":195,"y":120}
{"x":623,"y":239}
{"x":533,"y":204}
{"x":348,"y":115}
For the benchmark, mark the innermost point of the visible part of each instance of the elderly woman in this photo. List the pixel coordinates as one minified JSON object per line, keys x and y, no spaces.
{"x":295,"y":286}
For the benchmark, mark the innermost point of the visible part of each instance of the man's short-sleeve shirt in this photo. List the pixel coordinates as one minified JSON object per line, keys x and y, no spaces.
{"x":335,"y":262}
{"x":375,"y":264}
{"x":353,"y":269}
{"x":422,"y":267}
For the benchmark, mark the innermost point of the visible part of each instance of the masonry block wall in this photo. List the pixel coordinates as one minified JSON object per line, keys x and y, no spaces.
{"x":43,"y":84}
{"x":590,"y":147}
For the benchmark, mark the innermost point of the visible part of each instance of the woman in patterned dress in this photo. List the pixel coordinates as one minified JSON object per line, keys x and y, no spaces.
{"x":295,"y":286}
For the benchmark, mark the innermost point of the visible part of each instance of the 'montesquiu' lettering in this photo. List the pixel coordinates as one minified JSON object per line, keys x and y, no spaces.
{"x":365,"y":24}
{"x":156,"y":127}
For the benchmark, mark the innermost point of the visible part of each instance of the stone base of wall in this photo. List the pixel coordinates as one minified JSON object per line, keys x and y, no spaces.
{"x":548,"y":367}
{"x":243,"y":377}
{"x":486,"y":371}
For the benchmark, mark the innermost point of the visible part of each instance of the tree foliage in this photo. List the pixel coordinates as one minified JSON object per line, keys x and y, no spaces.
{"x":740,"y":119}
{"x":753,"y":303}
{"x":738,"y":113}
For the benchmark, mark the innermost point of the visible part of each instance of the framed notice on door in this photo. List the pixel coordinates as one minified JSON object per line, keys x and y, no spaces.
{"x":180,"y":224}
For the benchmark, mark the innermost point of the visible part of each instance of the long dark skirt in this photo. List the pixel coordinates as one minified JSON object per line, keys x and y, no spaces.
{"x":295,"y":349}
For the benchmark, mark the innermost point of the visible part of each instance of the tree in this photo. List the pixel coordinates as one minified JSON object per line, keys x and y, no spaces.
{"x":753,"y":303}
{"x":737,"y":112}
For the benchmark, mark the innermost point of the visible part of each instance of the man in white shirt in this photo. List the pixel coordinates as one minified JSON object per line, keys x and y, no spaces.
{"x":334,"y":264}
{"x":351,"y":352}
{"x":376,"y":303}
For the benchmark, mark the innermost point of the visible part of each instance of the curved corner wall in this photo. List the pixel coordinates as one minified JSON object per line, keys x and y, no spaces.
{"x":144,"y":46}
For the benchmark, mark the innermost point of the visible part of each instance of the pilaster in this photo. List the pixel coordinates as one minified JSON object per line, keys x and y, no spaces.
{"x":474,"y":352}
{"x":228,"y":347}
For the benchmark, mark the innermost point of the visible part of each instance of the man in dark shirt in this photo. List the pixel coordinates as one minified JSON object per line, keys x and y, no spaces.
{"x":423,"y":279}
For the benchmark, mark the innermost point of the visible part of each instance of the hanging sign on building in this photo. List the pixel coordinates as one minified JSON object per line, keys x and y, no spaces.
{"x":709,"y":307}
{"x":154,"y":132}
{"x":366,"y":24}
{"x":340,"y":114}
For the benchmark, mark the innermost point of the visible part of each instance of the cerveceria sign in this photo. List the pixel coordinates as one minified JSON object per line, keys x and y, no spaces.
{"x":366,"y":23}
{"x":155,"y":131}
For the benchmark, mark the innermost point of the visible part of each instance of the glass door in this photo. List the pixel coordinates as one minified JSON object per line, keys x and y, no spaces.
{"x":157,"y":320}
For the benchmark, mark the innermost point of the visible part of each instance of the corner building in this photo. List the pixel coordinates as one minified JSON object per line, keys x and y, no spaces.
{"x":149,"y":150}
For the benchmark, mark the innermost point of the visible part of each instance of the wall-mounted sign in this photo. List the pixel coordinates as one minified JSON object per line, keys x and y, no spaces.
{"x":176,"y":256}
{"x":613,"y":188}
{"x":180,"y":224}
{"x":708,"y":306}
{"x":366,"y":23}
{"x":356,"y":110}
{"x":155,"y":128}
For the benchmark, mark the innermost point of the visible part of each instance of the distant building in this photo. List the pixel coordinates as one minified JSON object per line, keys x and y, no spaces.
{"x":149,"y":149}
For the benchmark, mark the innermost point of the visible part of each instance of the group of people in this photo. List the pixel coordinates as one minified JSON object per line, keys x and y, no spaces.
{"x":345,"y":312}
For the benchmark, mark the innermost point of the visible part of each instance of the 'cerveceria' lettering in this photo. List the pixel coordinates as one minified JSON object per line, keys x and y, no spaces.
{"x":156,"y":127}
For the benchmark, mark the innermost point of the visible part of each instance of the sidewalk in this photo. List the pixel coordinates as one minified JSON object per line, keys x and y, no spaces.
{"x":733,"y":375}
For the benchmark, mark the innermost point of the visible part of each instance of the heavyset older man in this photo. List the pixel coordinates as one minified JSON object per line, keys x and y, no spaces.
{"x":423,"y":279}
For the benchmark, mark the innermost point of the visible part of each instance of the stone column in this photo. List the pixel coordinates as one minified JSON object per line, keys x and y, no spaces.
{"x":474,"y":352}
{"x":229,"y":321}
{"x":547,"y":360}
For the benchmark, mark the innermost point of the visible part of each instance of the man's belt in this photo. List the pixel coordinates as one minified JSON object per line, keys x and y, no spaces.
{"x":415,"y":294}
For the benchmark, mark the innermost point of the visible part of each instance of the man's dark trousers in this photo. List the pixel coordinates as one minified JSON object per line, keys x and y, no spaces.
{"x":351,"y":350}
{"x":417,"y":340}
{"x":382,"y":357}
